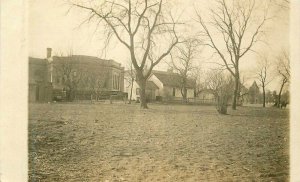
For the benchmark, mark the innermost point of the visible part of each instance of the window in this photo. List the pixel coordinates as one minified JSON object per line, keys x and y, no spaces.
{"x":113,"y":81}
{"x":116,"y":82}
{"x":137,"y":91}
{"x":174,"y":91}
{"x":117,"y":86}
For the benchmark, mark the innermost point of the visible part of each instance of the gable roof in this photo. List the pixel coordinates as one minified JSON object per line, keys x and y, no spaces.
{"x":207,"y":91}
{"x":254,"y":85}
{"x":172,"y":79}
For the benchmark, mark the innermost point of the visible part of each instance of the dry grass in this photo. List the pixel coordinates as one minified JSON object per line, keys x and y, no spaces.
{"x":103,"y":142}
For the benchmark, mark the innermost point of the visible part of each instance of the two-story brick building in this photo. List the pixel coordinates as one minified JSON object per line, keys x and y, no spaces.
{"x":82,"y":76}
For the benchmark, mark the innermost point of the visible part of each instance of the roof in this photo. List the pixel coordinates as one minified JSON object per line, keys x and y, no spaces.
{"x":80,"y":59}
{"x":254,"y":85}
{"x":243,"y":88}
{"x":151,"y":85}
{"x":172,"y":79}
{"x":206,"y":90}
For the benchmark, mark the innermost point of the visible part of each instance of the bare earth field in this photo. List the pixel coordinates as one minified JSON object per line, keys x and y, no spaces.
{"x":118,"y":142}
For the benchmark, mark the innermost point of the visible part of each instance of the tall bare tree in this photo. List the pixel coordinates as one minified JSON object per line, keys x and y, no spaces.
{"x":263,"y":74}
{"x":239,"y":28}
{"x":183,"y":59}
{"x":283,"y":67}
{"x":145,"y":28}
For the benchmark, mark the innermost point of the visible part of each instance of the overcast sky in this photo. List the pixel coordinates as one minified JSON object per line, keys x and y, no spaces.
{"x":51,"y":26}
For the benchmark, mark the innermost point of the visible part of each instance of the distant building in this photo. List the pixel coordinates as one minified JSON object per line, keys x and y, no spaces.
{"x":244,"y":95}
{"x":40,"y":88}
{"x":254,"y":95}
{"x":53,"y":77}
{"x":206,"y":94}
{"x":162,"y":85}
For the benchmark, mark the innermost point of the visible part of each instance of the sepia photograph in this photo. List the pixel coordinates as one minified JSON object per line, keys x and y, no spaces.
{"x":155,"y":90}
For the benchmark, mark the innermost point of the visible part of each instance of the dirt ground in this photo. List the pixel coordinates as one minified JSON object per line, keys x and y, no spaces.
{"x":118,"y":142}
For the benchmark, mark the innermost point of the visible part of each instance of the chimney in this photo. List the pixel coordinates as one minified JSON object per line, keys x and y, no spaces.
{"x":49,"y":50}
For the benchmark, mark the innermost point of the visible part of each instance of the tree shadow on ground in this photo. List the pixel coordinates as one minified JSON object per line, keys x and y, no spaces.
{"x":260,"y":112}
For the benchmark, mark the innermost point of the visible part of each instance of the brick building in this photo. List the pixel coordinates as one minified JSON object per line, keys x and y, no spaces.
{"x":75,"y":77}
{"x":40,"y":89}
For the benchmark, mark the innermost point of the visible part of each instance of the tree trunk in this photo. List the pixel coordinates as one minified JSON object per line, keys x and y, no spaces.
{"x":222,"y":104}
{"x":264,"y":96}
{"x":235,"y":93}
{"x":72,"y":95}
{"x":184,"y":94}
{"x":69,"y":94}
{"x":130,"y":98}
{"x":280,"y":91}
{"x":142,"y":84}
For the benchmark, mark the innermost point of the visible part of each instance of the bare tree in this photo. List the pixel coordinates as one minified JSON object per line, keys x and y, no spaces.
{"x":283,"y":67}
{"x":198,"y":76}
{"x":264,"y":76}
{"x":96,"y":82}
{"x":70,"y":74}
{"x":183,"y":62}
{"x":221,"y":86}
{"x":240,"y":28}
{"x":143,"y":27}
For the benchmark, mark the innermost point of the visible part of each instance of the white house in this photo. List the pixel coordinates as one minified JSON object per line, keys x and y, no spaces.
{"x":161,"y":85}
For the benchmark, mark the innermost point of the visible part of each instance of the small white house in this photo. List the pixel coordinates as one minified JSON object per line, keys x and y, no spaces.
{"x":161,"y":85}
